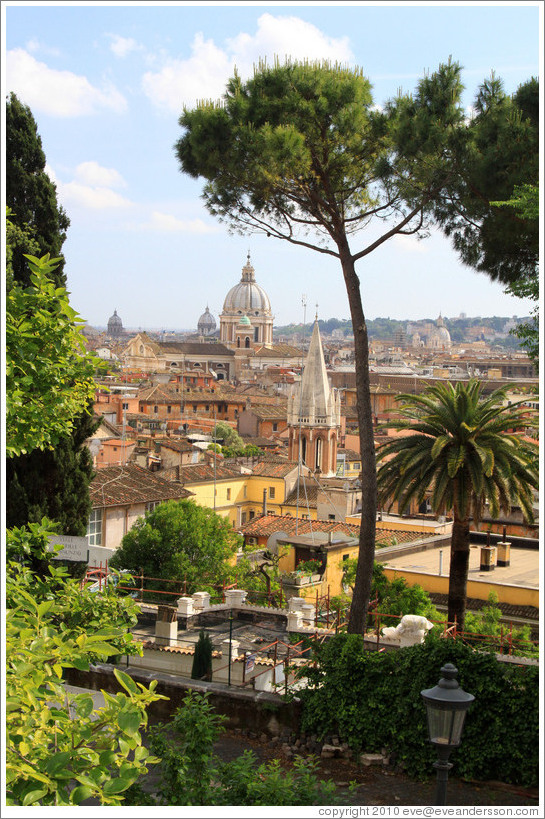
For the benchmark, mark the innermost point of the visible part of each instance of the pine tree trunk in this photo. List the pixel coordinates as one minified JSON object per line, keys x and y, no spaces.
{"x":459,"y":565}
{"x":366,"y":555}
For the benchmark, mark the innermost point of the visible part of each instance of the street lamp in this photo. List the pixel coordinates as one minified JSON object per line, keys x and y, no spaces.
{"x":446,"y":704}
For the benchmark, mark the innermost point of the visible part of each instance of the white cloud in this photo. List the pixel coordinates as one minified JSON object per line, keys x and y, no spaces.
{"x":58,"y":93}
{"x":166,"y":223}
{"x":91,"y":187}
{"x":93,"y":174}
{"x":35,"y":46}
{"x":411,"y":244}
{"x":94,"y":198}
{"x":121,"y":46}
{"x":204,"y":74}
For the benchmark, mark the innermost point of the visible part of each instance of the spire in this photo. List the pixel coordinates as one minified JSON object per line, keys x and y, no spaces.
{"x":315,"y":392}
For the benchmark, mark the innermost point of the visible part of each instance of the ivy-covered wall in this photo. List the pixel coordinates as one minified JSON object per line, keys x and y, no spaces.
{"x":373,"y":701}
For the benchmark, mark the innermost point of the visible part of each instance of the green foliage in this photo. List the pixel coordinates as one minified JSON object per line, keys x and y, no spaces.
{"x":525,"y":203}
{"x":179,"y":540}
{"x":373,"y":701}
{"x":49,"y":375}
{"x":19,"y":241}
{"x":60,"y":749}
{"x":202,"y":659}
{"x":311,"y":566}
{"x":493,"y":160}
{"x":486,"y":623}
{"x":230,"y":436}
{"x":395,"y":598}
{"x":31,"y":197}
{"x":54,"y":483}
{"x":193,"y":775}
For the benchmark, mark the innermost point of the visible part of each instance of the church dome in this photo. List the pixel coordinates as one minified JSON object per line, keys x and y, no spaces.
{"x":207,"y":323}
{"x":247,"y":297}
{"x":115,"y":325}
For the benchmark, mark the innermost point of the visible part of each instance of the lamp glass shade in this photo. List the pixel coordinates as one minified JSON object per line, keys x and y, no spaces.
{"x":445,"y":724}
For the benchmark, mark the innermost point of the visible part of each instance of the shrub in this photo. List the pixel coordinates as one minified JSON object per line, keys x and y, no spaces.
{"x":373,"y":701}
{"x":202,"y":659}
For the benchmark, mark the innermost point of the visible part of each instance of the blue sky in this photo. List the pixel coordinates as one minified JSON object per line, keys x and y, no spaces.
{"x":106,"y":85}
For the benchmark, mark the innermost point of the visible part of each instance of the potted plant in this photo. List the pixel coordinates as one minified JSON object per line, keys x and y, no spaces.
{"x":309,"y":570}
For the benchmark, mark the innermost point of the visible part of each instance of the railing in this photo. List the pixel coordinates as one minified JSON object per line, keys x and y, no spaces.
{"x":326,"y":616}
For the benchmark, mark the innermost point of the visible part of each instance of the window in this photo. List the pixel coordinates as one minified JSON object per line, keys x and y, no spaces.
{"x":345,"y":557}
{"x":275,"y":426}
{"x":357,"y":465}
{"x":252,"y":514}
{"x":94,"y":528}
{"x":242,"y":518}
{"x":228,"y":494}
{"x":194,"y":408}
{"x":156,"y":409}
{"x":125,"y":406}
{"x":169,"y":409}
{"x":150,"y":506}
{"x":331,"y":517}
{"x":272,"y":492}
{"x":207,"y":407}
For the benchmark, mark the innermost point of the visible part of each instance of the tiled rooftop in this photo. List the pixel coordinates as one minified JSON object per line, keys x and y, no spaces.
{"x":266,"y":525}
{"x":129,"y":484}
{"x":202,"y":473}
{"x":272,"y":469}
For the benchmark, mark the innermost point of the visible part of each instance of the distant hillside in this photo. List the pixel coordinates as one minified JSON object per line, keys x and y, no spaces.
{"x":384,"y":329}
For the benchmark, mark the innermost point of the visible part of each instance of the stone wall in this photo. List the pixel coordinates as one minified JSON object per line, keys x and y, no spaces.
{"x":259,"y":711}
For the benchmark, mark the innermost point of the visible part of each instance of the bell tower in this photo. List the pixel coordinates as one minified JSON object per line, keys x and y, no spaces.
{"x":314,"y":414}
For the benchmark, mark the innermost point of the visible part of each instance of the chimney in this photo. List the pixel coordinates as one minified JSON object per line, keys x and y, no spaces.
{"x":264,"y":501}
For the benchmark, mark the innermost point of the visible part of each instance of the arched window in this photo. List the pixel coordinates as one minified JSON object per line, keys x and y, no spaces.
{"x":256,"y":334}
{"x":247,"y":342}
{"x":318,"y":451}
{"x":304,"y":450}
{"x":238,"y":342}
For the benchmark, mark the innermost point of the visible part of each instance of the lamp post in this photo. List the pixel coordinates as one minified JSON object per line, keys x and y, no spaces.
{"x":446,"y":705}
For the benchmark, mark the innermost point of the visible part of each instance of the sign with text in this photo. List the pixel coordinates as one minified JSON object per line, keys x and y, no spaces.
{"x":74,"y":548}
{"x":250,"y":662}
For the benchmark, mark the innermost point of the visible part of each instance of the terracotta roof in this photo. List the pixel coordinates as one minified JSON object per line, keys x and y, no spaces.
{"x":351,"y":454}
{"x":259,"y":441}
{"x":270,"y":524}
{"x":274,"y":469}
{"x":266,"y":525}
{"x":201,"y":473}
{"x":269,"y":411}
{"x":160,"y":393}
{"x":172,"y":443}
{"x":308,"y":495}
{"x":129,"y":484}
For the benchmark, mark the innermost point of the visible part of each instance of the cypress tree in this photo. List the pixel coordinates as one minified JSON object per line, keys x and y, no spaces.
{"x":30,"y":193}
{"x":202,"y":659}
{"x":51,"y":483}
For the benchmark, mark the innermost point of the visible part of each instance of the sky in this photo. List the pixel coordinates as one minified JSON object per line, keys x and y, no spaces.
{"x":107,"y":84}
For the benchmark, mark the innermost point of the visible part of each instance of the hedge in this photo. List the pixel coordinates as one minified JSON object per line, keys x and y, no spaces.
{"x":372,"y":700}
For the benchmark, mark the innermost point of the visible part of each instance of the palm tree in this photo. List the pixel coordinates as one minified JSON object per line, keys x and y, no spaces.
{"x":462,"y":451}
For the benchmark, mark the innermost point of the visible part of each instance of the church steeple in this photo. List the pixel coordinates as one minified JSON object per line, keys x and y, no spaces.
{"x":315,"y":390}
{"x":314,"y":413}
